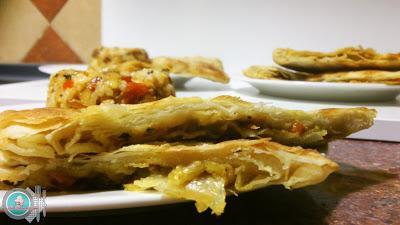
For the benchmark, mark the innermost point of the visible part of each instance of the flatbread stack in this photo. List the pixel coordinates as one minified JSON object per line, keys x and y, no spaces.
{"x":192,"y":148}
{"x":351,"y":64}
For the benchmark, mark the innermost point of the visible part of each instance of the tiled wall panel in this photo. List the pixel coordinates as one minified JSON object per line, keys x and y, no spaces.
{"x":46,"y":31}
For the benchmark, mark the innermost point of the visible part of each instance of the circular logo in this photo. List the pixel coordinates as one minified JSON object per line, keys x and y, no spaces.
{"x":17,"y":203}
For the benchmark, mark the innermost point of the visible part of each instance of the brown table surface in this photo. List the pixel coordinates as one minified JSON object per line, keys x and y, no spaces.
{"x":365,"y":191}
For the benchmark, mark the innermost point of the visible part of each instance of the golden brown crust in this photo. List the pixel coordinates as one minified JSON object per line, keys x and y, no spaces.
{"x":23,"y":132}
{"x":35,"y":116}
{"x":184,"y":153}
{"x":350,"y":58}
{"x":208,"y":68}
{"x":79,"y":89}
{"x":362,"y":76}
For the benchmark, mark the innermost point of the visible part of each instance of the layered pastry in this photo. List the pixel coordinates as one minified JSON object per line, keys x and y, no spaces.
{"x":361,"y":76}
{"x":345,"y":59}
{"x":208,"y":68}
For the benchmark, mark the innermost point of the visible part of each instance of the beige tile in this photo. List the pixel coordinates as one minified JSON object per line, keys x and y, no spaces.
{"x":78,"y":24}
{"x":21,"y":26}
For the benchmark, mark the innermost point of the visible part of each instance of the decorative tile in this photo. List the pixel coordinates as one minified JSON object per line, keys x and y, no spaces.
{"x":51,"y":48}
{"x":21,"y":26}
{"x":49,"y":8}
{"x":78,"y":23}
{"x":39,"y":31}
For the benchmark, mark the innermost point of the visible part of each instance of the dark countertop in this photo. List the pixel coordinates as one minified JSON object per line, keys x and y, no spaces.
{"x":10,"y":73}
{"x":365,"y":191}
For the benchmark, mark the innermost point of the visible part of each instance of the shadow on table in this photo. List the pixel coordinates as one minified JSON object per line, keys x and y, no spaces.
{"x":272,"y":205}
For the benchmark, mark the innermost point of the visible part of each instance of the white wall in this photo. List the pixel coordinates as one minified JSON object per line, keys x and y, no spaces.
{"x":243,"y":33}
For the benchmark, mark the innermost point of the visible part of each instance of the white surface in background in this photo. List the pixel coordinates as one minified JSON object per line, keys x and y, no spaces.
{"x":244,"y":32}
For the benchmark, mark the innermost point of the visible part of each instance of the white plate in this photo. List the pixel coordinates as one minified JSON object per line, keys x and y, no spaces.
{"x":326,"y":90}
{"x":102,"y":200}
{"x":53,"y":68}
{"x":178,"y":80}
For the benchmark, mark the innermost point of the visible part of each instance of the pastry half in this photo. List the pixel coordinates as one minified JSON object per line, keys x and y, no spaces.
{"x":208,"y":68}
{"x":202,"y":172}
{"x":345,"y":59}
{"x":101,"y":128}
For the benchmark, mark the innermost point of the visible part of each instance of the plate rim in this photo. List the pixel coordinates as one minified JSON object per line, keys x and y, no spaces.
{"x":320,"y":84}
{"x":104,"y":200}
{"x":45,"y":68}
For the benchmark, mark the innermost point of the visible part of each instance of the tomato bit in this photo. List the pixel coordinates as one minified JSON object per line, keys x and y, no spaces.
{"x":134,"y":92}
{"x":68,"y":84}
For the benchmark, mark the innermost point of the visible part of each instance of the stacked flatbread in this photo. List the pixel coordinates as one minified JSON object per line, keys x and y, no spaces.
{"x":351,"y":64}
{"x":191,"y":148}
